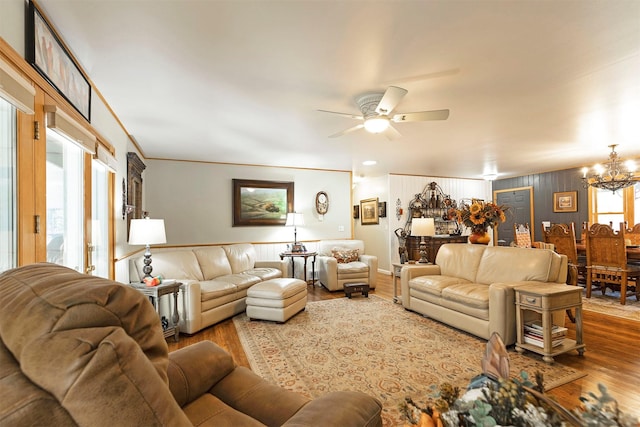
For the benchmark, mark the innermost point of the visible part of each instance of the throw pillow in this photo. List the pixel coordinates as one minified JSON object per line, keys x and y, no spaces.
{"x":343,"y":255}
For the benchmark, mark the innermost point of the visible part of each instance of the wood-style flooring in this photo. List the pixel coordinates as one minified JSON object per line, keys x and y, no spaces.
{"x":612,"y":356}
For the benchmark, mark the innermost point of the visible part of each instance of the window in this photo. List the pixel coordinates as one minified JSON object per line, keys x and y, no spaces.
{"x":100,"y":219}
{"x":8,"y":226}
{"x":65,"y":197}
{"x":613,"y":208}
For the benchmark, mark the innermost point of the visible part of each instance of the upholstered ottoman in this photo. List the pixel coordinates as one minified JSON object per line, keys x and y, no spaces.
{"x":276,"y":299}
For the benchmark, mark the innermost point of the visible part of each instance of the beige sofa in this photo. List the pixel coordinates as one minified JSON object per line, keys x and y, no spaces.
{"x":78,"y":350}
{"x":334,"y":274}
{"x":215,"y":280}
{"x":471,"y":287}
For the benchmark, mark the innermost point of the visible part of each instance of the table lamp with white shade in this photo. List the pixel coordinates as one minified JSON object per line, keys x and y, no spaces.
{"x":294,"y":220}
{"x":423,"y":227}
{"x":147,"y":232}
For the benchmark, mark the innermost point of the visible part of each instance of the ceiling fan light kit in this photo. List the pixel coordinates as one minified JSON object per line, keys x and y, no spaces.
{"x":376,"y":115}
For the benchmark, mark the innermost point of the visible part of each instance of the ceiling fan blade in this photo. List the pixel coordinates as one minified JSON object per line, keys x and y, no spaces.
{"x":390,"y":99}
{"x":344,"y":132}
{"x":351,"y":116}
{"x":421,"y":116}
{"x":391,"y":133}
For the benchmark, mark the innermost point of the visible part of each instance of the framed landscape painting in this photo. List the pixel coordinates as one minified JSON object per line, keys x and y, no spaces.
{"x":369,"y":211}
{"x":565,"y":201}
{"x":261,"y":202}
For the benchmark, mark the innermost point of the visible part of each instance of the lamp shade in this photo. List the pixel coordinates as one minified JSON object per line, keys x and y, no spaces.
{"x":147,"y":232}
{"x":423,"y":227}
{"x":294,"y":219}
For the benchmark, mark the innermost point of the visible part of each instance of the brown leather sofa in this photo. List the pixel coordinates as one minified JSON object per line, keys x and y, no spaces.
{"x":81,"y":350}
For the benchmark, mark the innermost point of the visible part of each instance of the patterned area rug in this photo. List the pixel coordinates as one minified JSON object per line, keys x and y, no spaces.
{"x":610,"y":304}
{"x":375,"y":346}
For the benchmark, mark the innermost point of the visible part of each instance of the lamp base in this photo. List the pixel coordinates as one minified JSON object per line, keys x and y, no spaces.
{"x":423,"y":253}
{"x":147,"y":269}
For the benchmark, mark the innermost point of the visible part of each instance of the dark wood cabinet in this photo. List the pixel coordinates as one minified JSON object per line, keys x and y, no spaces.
{"x":433,"y":245}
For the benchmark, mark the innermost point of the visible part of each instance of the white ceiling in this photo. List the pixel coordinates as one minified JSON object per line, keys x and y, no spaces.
{"x":532,"y":86}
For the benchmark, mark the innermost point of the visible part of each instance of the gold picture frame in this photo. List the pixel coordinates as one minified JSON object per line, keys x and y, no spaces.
{"x":565,"y":201}
{"x":261,"y":202}
{"x":369,"y":211}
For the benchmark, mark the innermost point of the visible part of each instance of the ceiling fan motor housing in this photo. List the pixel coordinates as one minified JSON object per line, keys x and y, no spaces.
{"x":368,"y":103}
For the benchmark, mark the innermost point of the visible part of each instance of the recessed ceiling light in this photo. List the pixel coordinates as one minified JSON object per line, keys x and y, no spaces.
{"x":369,"y":162}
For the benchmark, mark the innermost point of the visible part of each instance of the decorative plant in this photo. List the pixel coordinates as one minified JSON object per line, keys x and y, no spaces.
{"x":480,"y":215}
{"x":512,"y":402}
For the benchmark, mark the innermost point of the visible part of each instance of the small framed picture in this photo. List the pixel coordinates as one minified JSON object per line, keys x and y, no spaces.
{"x":369,"y":211}
{"x":356,"y":212}
{"x":565,"y":201}
{"x":382,"y":209}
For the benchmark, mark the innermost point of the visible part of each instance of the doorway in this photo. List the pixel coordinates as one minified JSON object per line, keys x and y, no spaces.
{"x":520,"y":203}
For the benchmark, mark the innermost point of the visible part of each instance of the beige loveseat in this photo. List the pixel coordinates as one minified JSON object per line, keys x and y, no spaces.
{"x":78,"y":350}
{"x":471,"y":287}
{"x":215,"y":280}
{"x":333,"y":272}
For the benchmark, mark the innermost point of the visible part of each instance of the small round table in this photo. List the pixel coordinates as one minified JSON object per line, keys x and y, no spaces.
{"x":304,"y":255}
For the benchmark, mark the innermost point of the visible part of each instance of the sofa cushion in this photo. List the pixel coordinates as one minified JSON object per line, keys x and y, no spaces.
{"x":264,"y":273}
{"x":434,"y":284}
{"x":460,"y":260}
{"x":510,"y":264}
{"x":173,"y":265}
{"x":474,"y":295}
{"x":208,"y":410}
{"x":241,"y":280}
{"x":212,"y":289}
{"x":352,"y":267}
{"x":242,"y":257}
{"x":213,"y":262}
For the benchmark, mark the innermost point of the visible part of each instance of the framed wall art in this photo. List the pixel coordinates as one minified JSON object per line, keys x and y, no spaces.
{"x":565,"y":201}
{"x":261,"y":202}
{"x":47,"y":54}
{"x":356,"y":211}
{"x":369,"y":211}
{"x":382,"y":209}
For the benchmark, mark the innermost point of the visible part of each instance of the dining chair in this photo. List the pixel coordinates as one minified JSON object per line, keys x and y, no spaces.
{"x":607,"y":261}
{"x":522,"y":235}
{"x":632,"y":235}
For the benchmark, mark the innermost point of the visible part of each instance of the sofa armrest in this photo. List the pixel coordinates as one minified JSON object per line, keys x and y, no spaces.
{"x":411,"y":271}
{"x":280,"y":265}
{"x":190,"y":306}
{"x":340,"y":408}
{"x":194,"y":369}
{"x":328,"y":271}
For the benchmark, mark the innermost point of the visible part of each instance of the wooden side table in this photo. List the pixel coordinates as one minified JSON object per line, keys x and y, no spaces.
{"x":397,"y":270}
{"x":304,"y":255}
{"x":545,"y":299}
{"x":154,"y":293}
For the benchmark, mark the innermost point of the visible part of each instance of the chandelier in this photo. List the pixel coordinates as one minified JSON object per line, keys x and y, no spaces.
{"x":613,"y":175}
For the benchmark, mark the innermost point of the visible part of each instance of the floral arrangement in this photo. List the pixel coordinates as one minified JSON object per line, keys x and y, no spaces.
{"x":480,"y":215}
{"x":511,"y":402}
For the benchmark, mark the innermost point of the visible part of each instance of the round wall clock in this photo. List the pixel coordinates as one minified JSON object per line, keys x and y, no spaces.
{"x":322,"y":202}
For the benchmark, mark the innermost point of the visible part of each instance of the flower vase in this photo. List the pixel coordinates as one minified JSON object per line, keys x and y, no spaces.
{"x":479,"y":238}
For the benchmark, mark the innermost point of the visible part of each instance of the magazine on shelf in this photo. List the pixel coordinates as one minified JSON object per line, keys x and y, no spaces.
{"x":539,"y":342}
{"x":557,"y":333}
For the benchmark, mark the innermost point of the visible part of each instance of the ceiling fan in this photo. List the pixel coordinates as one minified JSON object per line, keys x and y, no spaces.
{"x":376,"y":115}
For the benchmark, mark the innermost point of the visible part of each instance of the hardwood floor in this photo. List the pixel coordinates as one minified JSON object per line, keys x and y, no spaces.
{"x":612,"y":357}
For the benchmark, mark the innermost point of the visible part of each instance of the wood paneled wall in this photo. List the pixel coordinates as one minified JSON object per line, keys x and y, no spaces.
{"x":544,"y":185}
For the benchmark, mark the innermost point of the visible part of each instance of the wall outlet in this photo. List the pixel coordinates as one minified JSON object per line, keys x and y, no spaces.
{"x":341,"y":228}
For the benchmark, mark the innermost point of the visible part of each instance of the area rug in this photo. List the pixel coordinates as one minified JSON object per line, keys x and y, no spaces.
{"x":375,"y":346}
{"x":609,"y":303}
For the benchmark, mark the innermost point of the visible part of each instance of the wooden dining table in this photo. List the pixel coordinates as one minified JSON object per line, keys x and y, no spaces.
{"x":633,"y":252}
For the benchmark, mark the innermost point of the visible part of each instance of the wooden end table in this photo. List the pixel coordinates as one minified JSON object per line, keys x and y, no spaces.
{"x":544,"y":299}
{"x":304,"y":255}
{"x":154,"y":293}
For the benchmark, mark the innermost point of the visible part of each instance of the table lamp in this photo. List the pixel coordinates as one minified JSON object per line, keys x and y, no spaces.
{"x":294,"y":220}
{"x":423,"y":227}
{"x":147,"y":232}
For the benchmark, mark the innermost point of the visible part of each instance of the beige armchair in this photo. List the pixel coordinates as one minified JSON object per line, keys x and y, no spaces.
{"x":345,"y":261}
